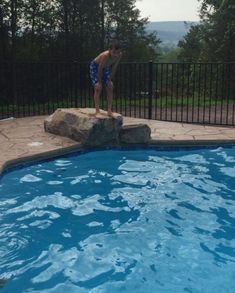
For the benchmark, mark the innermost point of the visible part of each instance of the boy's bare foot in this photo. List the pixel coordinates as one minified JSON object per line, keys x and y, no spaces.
{"x":110,"y":114}
{"x":98,"y":114}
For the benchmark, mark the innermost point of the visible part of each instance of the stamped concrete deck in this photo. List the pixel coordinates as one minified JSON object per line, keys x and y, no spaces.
{"x":24,"y":138}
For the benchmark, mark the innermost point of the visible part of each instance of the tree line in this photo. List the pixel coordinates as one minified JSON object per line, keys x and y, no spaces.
{"x":68,"y":30}
{"x":39,"y":30}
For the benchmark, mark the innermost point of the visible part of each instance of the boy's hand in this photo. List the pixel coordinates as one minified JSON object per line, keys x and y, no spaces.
{"x":98,"y":86}
{"x":110,"y":83}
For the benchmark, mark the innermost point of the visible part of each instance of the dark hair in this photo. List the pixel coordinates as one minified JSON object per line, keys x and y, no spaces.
{"x":115,"y":45}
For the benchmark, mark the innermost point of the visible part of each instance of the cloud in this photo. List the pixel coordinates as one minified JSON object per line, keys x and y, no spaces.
{"x":160,"y":10}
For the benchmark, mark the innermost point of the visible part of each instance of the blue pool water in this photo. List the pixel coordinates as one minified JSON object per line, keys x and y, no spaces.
{"x":120,"y":221}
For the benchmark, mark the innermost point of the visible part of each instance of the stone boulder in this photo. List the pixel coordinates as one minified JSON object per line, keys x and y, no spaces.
{"x":83,"y":126}
{"x":135,"y":134}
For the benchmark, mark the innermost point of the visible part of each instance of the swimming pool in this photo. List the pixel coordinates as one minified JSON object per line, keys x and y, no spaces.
{"x":142,"y":220}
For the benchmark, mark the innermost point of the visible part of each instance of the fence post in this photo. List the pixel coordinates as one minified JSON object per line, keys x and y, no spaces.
{"x":13,"y":90}
{"x":150,"y":90}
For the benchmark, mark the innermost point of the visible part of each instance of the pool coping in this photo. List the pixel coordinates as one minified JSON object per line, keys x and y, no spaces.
{"x":38,"y":157}
{"x":168,"y":134}
{"x":14,"y":163}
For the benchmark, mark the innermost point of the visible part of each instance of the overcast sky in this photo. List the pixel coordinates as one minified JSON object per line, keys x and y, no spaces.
{"x":160,"y":10}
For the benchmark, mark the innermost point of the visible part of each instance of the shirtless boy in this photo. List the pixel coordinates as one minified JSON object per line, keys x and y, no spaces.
{"x":102,"y":70}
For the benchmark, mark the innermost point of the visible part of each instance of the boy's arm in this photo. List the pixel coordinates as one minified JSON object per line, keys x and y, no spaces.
{"x":114,"y":67}
{"x":100,"y":68}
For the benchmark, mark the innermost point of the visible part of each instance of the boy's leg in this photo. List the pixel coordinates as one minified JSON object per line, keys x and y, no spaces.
{"x":97,"y":86}
{"x":109,"y":89}
{"x":97,"y":92}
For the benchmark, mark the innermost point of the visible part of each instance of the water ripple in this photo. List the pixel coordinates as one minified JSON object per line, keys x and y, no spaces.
{"x":143,"y":221}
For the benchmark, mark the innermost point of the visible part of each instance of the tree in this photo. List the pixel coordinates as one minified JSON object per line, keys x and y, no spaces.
{"x":123,"y":22}
{"x":72,"y":29}
{"x":214,"y":38}
{"x":191,"y":45}
{"x":3,"y":33}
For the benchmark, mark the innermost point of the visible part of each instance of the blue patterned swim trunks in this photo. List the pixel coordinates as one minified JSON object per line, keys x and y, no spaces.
{"x":94,"y":74}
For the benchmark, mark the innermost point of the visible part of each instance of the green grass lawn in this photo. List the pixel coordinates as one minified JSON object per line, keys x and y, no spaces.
{"x":164,"y":102}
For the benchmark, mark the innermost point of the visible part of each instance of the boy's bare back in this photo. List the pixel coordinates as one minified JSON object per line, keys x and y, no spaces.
{"x":106,"y":59}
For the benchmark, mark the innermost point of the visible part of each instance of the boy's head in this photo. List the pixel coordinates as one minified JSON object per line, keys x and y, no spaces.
{"x":115,"y":48}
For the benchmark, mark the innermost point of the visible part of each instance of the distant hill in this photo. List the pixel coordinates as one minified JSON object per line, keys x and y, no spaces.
{"x":170,"y":32}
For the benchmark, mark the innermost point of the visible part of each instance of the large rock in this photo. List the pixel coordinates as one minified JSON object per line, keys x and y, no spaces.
{"x":83,"y":126}
{"x":135,"y":134}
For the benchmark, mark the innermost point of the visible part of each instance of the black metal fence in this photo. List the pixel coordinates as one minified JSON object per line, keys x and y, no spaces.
{"x":182,"y":92}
